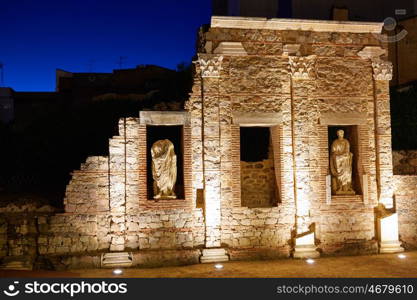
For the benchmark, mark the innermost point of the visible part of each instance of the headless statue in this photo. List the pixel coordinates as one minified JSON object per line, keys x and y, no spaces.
{"x":164,"y":169}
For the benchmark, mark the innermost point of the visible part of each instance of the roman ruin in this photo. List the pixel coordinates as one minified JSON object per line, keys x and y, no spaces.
{"x":249,"y":160}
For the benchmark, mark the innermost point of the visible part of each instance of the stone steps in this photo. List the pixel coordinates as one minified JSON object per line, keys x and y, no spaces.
{"x":21,"y":264}
{"x":214,"y":255}
{"x":116,"y":259}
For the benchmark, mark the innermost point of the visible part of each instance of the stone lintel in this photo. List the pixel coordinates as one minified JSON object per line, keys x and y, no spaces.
{"x":296,"y":24}
{"x":249,"y":119}
{"x":164,"y":118}
{"x":343,"y":119}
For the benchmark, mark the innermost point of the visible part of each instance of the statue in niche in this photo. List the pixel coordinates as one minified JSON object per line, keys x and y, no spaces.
{"x":164,"y":169}
{"x":341,"y":165}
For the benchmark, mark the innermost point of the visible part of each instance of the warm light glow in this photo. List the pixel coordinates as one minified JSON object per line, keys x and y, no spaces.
{"x":218,"y":266}
{"x":310,"y":261}
{"x":389,"y":228}
{"x":117,"y":271}
{"x":402,"y":256}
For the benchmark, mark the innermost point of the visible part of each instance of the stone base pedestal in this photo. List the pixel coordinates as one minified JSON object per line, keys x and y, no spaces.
{"x":390,"y":247}
{"x":213,"y":255}
{"x":20,"y":263}
{"x":305,"y":247}
{"x":388,"y":234}
{"x":116,"y":259}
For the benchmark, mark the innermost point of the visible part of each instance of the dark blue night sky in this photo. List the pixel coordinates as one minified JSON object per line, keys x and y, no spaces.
{"x":38,"y":36}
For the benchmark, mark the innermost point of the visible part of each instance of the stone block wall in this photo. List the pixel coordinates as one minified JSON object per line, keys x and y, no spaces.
{"x":406,"y":204}
{"x":405,"y":162}
{"x":258,"y":183}
{"x":346,"y":228}
{"x":91,"y":234}
{"x":314,"y":79}
{"x":165,"y":229}
{"x":72,"y":234}
{"x":88,"y":190}
{"x":258,"y":228}
{"x":18,"y":234}
{"x":296,"y":82}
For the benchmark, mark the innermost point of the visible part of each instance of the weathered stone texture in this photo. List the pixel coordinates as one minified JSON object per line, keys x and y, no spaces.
{"x":404,"y":162}
{"x":257,"y":227}
{"x":258,"y":184}
{"x":254,"y":75}
{"x":312,"y":80}
{"x":343,"y":77}
{"x":346,"y":225}
{"x":406,"y":203}
{"x":88,"y":190}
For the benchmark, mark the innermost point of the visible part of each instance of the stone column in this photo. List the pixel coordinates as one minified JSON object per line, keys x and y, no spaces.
{"x":302,"y":76}
{"x":387,"y":217}
{"x":210,"y":66}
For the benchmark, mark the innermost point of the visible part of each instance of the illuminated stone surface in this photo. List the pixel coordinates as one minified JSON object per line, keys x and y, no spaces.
{"x":298,"y":79}
{"x":305,"y":247}
{"x":388,"y":234}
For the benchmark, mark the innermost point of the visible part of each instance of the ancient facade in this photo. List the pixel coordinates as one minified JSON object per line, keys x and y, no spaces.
{"x":296,"y":81}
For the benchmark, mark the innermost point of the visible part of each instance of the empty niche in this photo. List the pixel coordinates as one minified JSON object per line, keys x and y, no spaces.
{"x":351,"y":134}
{"x":175,"y":135}
{"x":257,"y":168}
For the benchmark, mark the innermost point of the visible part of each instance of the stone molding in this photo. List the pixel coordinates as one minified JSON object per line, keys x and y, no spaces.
{"x":210,"y":65}
{"x":246,"y":119}
{"x":230,"y":48}
{"x":382,"y":69}
{"x":164,"y":118}
{"x":296,"y":24}
{"x":302,"y":67}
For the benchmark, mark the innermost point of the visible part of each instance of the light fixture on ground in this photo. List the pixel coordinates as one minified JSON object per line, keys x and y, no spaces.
{"x":117,"y":271}
{"x":402,"y":256}
{"x":218,"y":266}
{"x":310,"y":261}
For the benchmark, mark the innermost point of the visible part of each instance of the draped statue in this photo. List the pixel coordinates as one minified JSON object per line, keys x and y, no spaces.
{"x":164,"y":169}
{"x":341,"y":166}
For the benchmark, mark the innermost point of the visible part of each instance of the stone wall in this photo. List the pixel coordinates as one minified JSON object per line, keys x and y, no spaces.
{"x":406,"y":203}
{"x":405,"y":162}
{"x":88,"y":190}
{"x":104,"y":212}
{"x":46,"y":235}
{"x":258,"y":183}
{"x":314,"y":80}
{"x":346,"y":227}
{"x":258,"y":228}
{"x":298,"y":83}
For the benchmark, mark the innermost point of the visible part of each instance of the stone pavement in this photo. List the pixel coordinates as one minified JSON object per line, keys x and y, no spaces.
{"x":384,"y":265}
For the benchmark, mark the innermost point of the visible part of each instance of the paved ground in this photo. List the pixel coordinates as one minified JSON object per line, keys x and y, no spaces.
{"x":386,"y":265}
